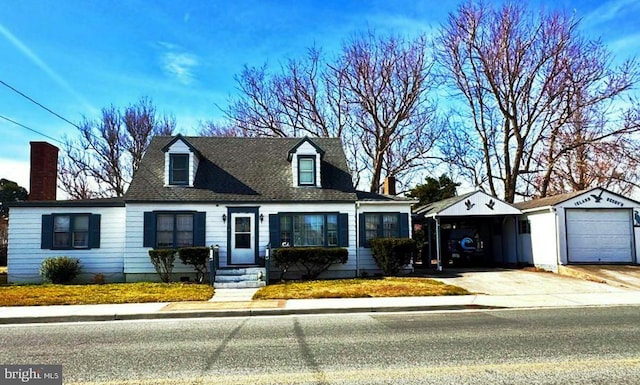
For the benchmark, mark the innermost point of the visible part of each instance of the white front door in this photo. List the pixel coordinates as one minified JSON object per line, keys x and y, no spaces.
{"x":243,"y":239}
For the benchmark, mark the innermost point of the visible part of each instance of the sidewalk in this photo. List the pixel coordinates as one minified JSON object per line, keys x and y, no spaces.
{"x":236,"y":307}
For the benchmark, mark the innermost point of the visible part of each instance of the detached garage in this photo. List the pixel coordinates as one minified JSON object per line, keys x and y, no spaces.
{"x":589,"y":227}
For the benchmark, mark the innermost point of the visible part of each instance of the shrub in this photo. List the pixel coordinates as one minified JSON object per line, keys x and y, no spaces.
{"x":196,"y":257}
{"x":60,"y":269}
{"x":391,"y":254}
{"x":162,"y":260}
{"x":313,"y":260}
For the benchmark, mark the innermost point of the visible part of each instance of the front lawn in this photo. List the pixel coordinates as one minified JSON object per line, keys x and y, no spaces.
{"x":30,"y":295}
{"x":359,"y":288}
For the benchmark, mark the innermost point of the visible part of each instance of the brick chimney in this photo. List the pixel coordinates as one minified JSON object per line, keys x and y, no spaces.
{"x":389,"y":186}
{"x":43,"y":177}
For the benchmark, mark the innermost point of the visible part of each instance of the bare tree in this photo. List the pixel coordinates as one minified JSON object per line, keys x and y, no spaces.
{"x":374,"y":96}
{"x":522,"y":77}
{"x":102,"y":160}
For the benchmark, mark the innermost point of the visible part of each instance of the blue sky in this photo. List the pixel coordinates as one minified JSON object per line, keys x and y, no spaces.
{"x":78,"y":56}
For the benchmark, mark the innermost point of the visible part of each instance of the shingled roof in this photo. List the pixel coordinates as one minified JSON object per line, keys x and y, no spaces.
{"x":548,"y":201}
{"x":242,"y":170}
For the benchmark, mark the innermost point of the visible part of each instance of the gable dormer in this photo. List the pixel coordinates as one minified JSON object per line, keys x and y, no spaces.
{"x":305,"y":158}
{"x":180,"y":162}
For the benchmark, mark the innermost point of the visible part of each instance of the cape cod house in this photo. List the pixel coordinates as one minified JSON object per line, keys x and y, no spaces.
{"x":245,"y":195}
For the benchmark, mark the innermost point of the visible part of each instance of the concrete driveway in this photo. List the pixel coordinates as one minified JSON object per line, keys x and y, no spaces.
{"x":521,"y":282}
{"x":616,"y":275}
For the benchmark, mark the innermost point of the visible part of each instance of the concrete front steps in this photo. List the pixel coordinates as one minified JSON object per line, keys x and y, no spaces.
{"x":240,"y":278}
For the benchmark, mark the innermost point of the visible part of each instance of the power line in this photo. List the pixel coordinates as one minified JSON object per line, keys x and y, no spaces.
{"x":31,"y":129}
{"x":38,"y":104}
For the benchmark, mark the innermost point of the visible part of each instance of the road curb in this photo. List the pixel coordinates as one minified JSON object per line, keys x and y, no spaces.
{"x":235,"y":313}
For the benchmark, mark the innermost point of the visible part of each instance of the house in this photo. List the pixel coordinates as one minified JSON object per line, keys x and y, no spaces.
{"x":594,"y":226}
{"x":245,"y":195}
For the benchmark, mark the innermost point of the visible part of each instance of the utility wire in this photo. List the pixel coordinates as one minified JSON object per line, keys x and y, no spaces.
{"x":31,"y":129}
{"x":38,"y":104}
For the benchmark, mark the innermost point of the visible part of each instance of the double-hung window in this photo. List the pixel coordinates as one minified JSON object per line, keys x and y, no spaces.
{"x":382,"y":225}
{"x":174,"y":230}
{"x":70,"y":231}
{"x":178,"y":169}
{"x":306,"y":170}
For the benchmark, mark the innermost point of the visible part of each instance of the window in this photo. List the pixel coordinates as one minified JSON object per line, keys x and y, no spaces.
{"x":179,"y":169}
{"x":383,"y":225}
{"x":306,"y":171}
{"x":243,"y":232}
{"x":70,"y":231}
{"x":308,"y":230}
{"x":174,"y":229}
{"x":313,"y":229}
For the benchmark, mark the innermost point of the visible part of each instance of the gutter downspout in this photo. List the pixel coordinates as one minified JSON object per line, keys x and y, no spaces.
{"x":555,"y":215}
{"x":357,"y":245}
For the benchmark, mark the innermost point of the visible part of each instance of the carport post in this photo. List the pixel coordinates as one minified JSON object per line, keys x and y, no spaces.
{"x":438,"y":251}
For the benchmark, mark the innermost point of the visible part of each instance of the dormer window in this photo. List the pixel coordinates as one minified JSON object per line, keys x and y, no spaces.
{"x":306,"y":170}
{"x":305,"y":158}
{"x":179,"y":169}
{"x":181,"y":162}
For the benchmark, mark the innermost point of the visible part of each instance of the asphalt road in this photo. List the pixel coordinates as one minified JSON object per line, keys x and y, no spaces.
{"x":559,"y":346}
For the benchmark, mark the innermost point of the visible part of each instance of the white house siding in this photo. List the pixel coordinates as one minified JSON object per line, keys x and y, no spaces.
{"x":137,"y":265}
{"x":366,"y":262}
{"x":540,"y":246}
{"x":25,"y":254}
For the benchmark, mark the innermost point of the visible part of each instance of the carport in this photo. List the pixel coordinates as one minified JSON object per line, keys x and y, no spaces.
{"x":474,"y":229}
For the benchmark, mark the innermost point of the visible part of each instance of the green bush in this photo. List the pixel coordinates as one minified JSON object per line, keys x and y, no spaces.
{"x":196,"y":257}
{"x":312,"y":260}
{"x":60,"y":269}
{"x":162,"y":260}
{"x":391,"y":254}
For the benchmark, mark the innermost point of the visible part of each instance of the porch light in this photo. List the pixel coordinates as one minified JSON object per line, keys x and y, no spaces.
{"x":261,"y":218}
{"x":224,"y":217}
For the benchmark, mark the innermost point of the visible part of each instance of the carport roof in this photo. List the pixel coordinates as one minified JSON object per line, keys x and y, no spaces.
{"x":476,"y":203}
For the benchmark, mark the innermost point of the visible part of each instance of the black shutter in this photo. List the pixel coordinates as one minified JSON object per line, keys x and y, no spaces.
{"x":404,"y":225}
{"x":94,"y":231}
{"x":199,"y":228}
{"x":46,"y":239}
{"x":149,"y":230}
{"x":362,"y":233}
{"x":343,"y":230}
{"x":274,"y":230}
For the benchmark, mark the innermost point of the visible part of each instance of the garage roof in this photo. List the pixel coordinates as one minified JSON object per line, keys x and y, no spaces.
{"x":593,"y":198}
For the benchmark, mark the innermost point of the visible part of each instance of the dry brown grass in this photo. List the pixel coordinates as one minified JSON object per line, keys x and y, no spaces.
{"x":359,"y":288}
{"x":36,"y":295}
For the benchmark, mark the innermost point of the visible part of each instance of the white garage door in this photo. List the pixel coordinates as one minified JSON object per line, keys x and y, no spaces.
{"x":599,"y":236}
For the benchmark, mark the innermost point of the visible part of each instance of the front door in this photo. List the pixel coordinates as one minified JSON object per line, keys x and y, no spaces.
{"x":243,"y":239}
